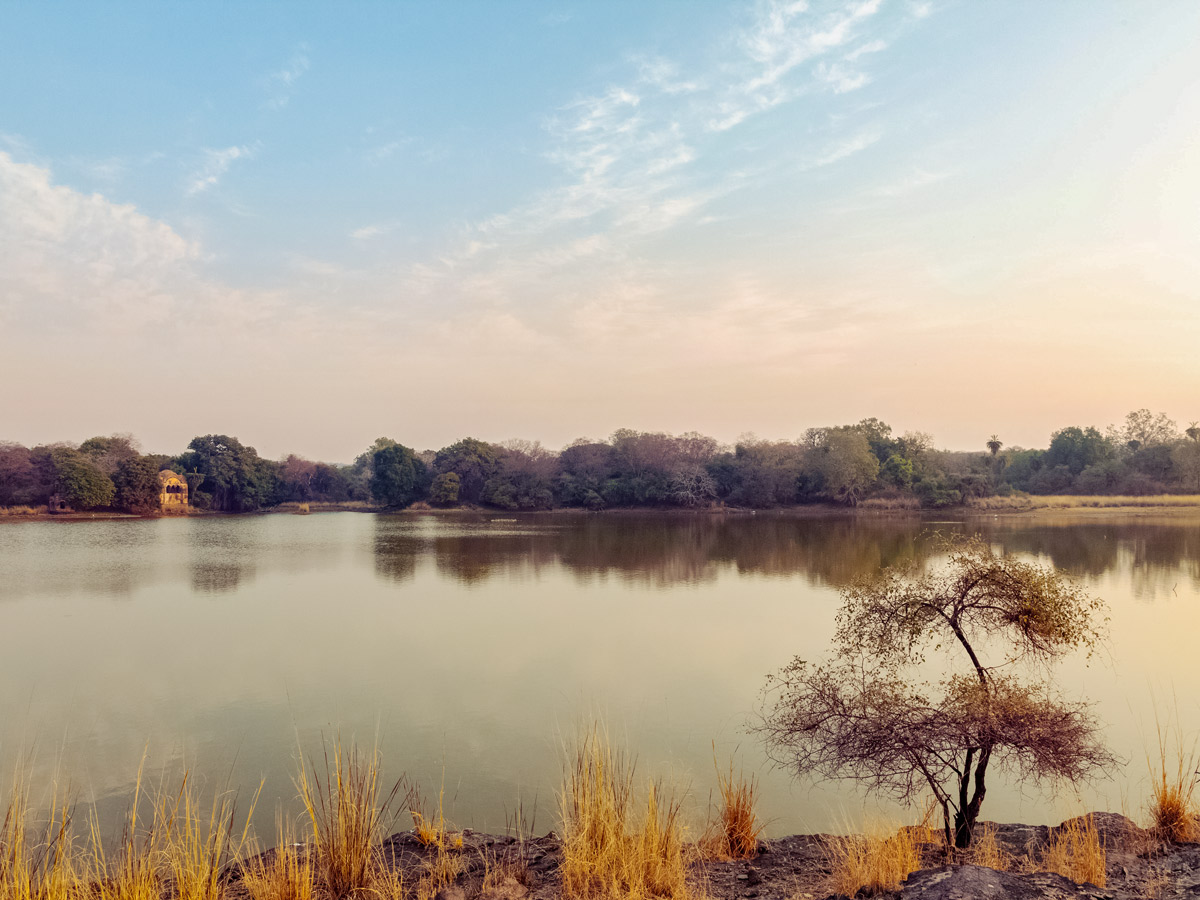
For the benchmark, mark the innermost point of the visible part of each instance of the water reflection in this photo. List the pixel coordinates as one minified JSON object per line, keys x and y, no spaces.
{"x":666,"y":550}
{"x":472,"y":641}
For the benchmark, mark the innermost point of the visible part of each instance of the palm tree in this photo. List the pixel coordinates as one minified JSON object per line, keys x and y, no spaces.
{"x":994,"y":444}
{"x":1193,"y":431}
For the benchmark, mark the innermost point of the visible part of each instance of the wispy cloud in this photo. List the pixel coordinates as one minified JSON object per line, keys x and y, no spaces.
{"x":638,"y":159}
{"x":214,"y":166}
{"x":281,"y":83}
{"x":848,"y":147}
{"x":368,"y":231}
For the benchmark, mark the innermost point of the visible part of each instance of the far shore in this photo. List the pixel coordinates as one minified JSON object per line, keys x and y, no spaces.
{"x":1022,"y":507}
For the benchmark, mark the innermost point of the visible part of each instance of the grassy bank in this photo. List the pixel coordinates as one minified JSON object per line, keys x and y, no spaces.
{"x":1026,"y":502}
{"x":359,"y":834}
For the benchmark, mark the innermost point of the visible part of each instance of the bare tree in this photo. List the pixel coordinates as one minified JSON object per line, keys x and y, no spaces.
{"x":866,"y":714}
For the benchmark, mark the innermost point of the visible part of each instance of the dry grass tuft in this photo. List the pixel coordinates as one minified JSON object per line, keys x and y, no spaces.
{"x":875,"y":862}
{"x":609,"y":852}
{"x":1075,"y":852}
{"x":1173,"y":813}
{"x":445,"y":865}
{"x":986,"y":850}
{"x":198,"y":846}
{"x":734,"y":833}
{"x":23,"y":511}
{"x":887,"y":504}
{"x":284,"y":874}
{"x":37,"y":863}
{"x":349,"y":813}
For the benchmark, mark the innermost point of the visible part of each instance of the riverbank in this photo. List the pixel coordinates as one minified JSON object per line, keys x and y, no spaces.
{"x":1025,"y":506}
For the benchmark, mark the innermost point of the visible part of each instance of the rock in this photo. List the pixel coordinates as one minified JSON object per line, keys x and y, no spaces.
{"x":508,"y":889}
{"x":753,"y":876}
{"x":979,"y":883}
{"x":451,"y":892}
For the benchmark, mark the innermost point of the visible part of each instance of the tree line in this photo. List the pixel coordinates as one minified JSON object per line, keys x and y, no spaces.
{"x":845,"y":464}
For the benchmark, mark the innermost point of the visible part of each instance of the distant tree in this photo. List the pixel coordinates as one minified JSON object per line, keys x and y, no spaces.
{"x":897,"y":472}
{"x":842,"y":461}
{"x":994,"y":444}
{"x":137,"y":484}
{"x":235,"y":477}
{"x":22,"y":480}
{"x":1193,"y":431}
{"x":473,"y":461}
{"x":525,"y":477}
{"x":109,"y":452}
{"x":296,"y":476}
{"x":79,"y":481}
{"x":332,"y":483}
{"x":1077,"y":448}
{"x":444,"y":491}
{"x":1186,"y":457}
{"x":869,"y":715}
{"x":398,"y":477}
{"x":879,"y":437}
{"x":1143,"y":428}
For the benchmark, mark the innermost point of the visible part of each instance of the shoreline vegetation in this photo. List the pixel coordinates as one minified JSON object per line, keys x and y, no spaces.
{"x":1144,"y":461}
{"x":1017,"y":505}
{"x":356,"y":833}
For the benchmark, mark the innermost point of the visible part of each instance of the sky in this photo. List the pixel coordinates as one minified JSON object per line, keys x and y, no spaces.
{"x":312,"y":225}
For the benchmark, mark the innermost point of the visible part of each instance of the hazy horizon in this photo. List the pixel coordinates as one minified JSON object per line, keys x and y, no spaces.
{"x":310,"y":226}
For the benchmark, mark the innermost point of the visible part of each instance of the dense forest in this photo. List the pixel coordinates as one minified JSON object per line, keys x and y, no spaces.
{"x":846,"y":464}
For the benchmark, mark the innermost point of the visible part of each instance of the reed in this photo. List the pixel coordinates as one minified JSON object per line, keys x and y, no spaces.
{"x":873,"y":862}
{"x":285,"y":873}
{"x":608,"y":850}
{"x":1173,"y":812}
{"x":37,"y":861}
{"x":349,"y":811}
{"x":735,"y":831}
{"x":1076,"y":852}
{"x":986,"y":850}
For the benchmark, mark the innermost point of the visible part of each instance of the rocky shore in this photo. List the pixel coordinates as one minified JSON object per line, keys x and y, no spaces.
{"x":1139,"y":867}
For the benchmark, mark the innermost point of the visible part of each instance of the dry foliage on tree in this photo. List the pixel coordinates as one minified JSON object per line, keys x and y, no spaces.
{"x":867,"y":715}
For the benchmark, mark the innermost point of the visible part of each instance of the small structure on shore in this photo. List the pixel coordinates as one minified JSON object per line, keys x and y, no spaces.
{"x":173,"y":495}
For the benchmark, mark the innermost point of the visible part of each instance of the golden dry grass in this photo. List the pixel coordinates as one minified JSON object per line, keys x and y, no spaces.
{"x":349,"y":812}
{"x":986,"y":850}
{"x":431,"y":830}
{"x":609,"y":850}
{"x":875,"y":861}
{"x":1173,"y":812}
{"x":1076,"y":852}
{"x":23,"y":511}
{"x":284,"y":874}
{"x":37,"y":863}
{"x":886,"y":504}
{"x":734,"y":832}
{"x":1069,"y":501}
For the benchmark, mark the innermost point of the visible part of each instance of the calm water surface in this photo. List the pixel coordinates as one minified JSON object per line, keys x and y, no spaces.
{"x":473,"y":644}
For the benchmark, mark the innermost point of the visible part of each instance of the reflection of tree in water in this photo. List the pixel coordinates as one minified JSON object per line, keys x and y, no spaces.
{"x":396,"y":554}
{"x":1158,"y":556}
{"x":661,"y":550}
{"x":476,"y":557}
{"x":219,"y":577}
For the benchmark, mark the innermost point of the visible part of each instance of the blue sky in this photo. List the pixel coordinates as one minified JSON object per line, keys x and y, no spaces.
{"x":313,"y":224}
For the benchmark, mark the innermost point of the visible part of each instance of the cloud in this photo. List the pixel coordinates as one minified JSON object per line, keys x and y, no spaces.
{"x":367,"y":232}
{"x":280,"y":84}
{"x":216,"y":163}
{"x":841,"y":79}
{"x":72,"y":253}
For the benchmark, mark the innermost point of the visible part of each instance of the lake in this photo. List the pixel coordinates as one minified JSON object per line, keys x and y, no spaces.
{"x":470,"y":646}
